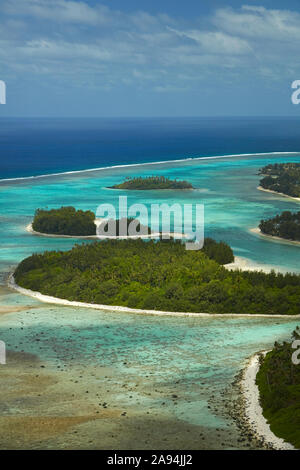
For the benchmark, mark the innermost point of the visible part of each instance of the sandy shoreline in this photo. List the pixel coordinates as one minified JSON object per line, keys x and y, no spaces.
{"x":116,"y":308}
{"x":244,"y":264}
{"x":277,"y":193}
{"x":253,"y":410}
{"x":99,"y":237}
{"x":273,"y":238}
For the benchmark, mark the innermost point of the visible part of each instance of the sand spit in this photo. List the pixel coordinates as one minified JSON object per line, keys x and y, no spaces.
{"x":253,"y":411}
{"x":277,"y":193}
{"x":245,"y":264}
{"x":274,"y":238}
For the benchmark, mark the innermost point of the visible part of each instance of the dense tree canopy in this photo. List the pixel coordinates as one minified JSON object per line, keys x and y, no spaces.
{"x":279,"y":385}
{"x":160,"y":275}
{"x":282,"y":178}
{"x":285,"y":225}
{"x":64,"y":221}
{"x":123,"y":225}
{"x":152,"y":182}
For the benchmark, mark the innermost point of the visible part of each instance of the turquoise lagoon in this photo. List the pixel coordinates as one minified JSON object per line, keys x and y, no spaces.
{"x":194,"y":358}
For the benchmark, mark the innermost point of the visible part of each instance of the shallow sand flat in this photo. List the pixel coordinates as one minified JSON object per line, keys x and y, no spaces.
{"x":44,"y":408}
{"x":87,"y":387}
{"x":9,"y":309}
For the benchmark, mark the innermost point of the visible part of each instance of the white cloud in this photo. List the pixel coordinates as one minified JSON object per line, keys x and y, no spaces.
{"x":259,"y":22}
{"x":57,"y":10}
{"x":62,"y":38}
{"x":216,"y":42}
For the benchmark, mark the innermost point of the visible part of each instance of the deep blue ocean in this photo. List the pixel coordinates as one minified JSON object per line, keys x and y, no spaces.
{"x":30,"y":147}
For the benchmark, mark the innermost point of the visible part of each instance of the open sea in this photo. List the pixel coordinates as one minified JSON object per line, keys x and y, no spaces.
{"x":137,"y":362}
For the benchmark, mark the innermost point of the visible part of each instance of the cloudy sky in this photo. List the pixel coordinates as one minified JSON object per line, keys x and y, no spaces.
{"x":149,"y":57}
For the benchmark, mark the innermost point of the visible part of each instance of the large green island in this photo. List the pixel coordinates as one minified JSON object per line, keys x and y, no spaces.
{"x":152,"y":182}
{"x":278,"y":381}
{"x":159,"y":275}
{"x":281,"y":178}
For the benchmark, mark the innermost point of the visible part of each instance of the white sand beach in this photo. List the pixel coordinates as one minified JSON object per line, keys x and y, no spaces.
{"x":272,"y":238}
{"x":116,"y":308}
{"x":253,"y":410}
{"x":245,"y":264}
{"x":277,"y":193}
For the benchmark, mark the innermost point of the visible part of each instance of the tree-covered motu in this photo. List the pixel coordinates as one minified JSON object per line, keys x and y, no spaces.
{"x":64,"y":221}
{"x":282,"y":178}
{"x":278,"y":381}
{"x":152,"y":182}
{"x":285,"y":225}
{"x":160,"y":275}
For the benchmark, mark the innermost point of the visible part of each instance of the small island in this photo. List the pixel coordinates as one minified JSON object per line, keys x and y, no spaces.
{"x":283,"y":178}
{"x":64,"y":221}
{"x":123,"y":225}
{"x":285,"y":225}
{"x":69,"y":222}
{"x":278,"y":381}
{"x":158,"y":275}
{"x":152,"y":182}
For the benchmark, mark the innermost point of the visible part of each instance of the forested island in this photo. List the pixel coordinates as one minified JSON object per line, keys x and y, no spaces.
{"x":282,"y":178}
{"x":278,"y":380}
{"x":64,"y":221}
{"x":285,"y":225}
{"x":123,"y":225}
{"x":158,"y":275}
{"x":152,"y":182}
{"x":69,"y":221}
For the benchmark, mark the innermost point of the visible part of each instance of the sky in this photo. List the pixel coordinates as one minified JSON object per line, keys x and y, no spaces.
{"x":116,"y":58}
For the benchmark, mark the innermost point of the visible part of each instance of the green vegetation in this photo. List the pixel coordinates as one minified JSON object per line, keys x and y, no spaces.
{"x":282,"y":178}
{"x":278,"y":381}
{"x":218,"y":251}
{"x":160,"y":275}
{"x":286,"y":225}
{"x":140,"y":228}
{"x":152,"y":182}
{"x":64,"y":221}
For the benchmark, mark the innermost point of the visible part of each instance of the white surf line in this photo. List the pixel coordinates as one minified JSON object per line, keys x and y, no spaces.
{"x":253,"y":410}
{"x":115,"y":308}
{"x":132,"y":165}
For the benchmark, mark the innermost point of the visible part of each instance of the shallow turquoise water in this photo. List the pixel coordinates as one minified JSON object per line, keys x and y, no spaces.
{"x":227,"y":188}
{"x":203,"y":355}
{"x":196,"y":358}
